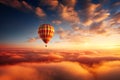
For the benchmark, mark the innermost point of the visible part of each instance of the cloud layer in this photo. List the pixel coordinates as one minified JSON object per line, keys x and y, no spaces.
{"x":61,"y":71}
{"x":88,"y":57}
{"x":59,"y":65}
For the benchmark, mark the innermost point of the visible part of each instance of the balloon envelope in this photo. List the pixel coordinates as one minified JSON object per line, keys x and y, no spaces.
{"x":46,"y":32}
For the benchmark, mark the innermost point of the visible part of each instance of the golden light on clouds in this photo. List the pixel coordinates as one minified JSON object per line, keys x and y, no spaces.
{"x":95,"y":42}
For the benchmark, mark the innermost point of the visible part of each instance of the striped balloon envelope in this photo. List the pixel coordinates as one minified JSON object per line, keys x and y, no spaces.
{"x":46,"y":32}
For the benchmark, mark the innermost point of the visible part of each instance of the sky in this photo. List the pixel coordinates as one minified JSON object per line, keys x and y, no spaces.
{"x":85,"y":45}
{"x":79,"y":24}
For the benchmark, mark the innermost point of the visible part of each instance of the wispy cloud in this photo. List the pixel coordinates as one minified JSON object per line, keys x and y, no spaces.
{"x":68,"y":14}
{"x":57,"y":22}
{"x":33,"y":39}
{"x":39,"y":12}
{"x":116,"y":18}
{"x":13,"y":3}
{"x":24,"y":6}
{"x":51,"y":4}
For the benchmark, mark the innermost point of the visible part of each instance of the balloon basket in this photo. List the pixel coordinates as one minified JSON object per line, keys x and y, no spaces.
{"x":45,"y":45}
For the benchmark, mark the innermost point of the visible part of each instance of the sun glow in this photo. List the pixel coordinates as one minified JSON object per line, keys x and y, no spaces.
{"x":86,"y":44}
{"x":99,"y":42}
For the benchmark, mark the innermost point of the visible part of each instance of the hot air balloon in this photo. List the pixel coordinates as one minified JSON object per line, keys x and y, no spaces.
{"x":46,"y":32}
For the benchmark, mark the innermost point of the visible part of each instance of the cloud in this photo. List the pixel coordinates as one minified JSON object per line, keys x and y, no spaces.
{"x":63,"y":33}
{"x":88,"y":12}
{"x":99,"y":28}
{"x":23,"y":5}
{"x":33,"y":39}
{"x":42,"y":71}
{"x":116,"y":18}
{"x":68,"y":14}
{"x":77,"y":27}
{"x":69,"y":3}
{"x":61,"y":71}
{"x":29,"y":7}
{"x":59,"y":65}
{"x":77,"y":35}
{"x":12,"y":3}
{"x":85,"y":57}
{"x":57,"y":22}
{"x":52,"y":4}
{"x":93,"y":13}
{"x":116,"y":4}
{"x":55,"y":56}
{"x":39,"y":12}
{"x":101,"y":15}
{"x":108,"y":71}
{"x":14,"y":73}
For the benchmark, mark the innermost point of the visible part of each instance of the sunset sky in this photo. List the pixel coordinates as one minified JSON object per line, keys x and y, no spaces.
{"x":85,"y":46}
{"x":79,"y":24}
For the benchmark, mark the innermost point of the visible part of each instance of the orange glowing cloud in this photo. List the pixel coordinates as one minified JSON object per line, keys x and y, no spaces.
{"x":39,"y":12}
{"x":68,"y":14}
{"x":89,"y":57}
{"x":63,"y":71}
